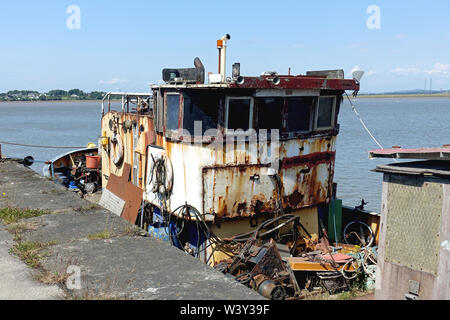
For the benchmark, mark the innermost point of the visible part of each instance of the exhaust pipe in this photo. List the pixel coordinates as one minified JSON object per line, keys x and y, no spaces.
{"x":222,"y":46}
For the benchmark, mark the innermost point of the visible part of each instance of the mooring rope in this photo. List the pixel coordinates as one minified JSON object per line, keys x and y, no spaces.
{"x":362,"y":122}
{"x":36,"y":146}
{"x":364,"y":125}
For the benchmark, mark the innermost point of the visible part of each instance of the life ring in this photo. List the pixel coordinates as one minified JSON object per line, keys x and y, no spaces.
{"x":117,"y":152}
{"x":160,"y":171}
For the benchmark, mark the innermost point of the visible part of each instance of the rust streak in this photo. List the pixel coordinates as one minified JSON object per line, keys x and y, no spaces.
{"x":310,"y":160}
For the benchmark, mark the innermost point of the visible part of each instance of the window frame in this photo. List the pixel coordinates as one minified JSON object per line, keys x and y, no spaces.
{"x":333,"y":114}
{"x":183,"y":107}
{"x":170,"y":132}
{"x":312,"y":115}
{"x":258,"y":112}
{"x":227,"y":111}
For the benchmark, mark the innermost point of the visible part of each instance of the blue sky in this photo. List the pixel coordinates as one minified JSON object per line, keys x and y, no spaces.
{"x":123,"y":45}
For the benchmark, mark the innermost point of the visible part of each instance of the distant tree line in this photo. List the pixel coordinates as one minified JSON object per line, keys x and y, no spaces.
{"x":52,"y":95}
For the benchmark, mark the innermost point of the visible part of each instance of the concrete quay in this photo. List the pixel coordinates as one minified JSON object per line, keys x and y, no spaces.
{"x":80,"y":241}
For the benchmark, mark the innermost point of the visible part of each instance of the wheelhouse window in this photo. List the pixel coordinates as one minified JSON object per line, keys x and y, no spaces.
{"x":325,"y":113}
{"x":298,"y":114}
{"x":172,"y":111}
{"x":239,"y":113}
{"x":270,"y":113}
{"x":200,"y":107}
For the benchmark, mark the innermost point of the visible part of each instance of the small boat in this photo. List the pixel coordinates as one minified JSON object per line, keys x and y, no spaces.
{"x":77,"y":170}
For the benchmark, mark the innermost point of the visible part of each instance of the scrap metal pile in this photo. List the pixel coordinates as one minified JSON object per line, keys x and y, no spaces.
{"x":85,"y":177}
{"x":281,"y":258}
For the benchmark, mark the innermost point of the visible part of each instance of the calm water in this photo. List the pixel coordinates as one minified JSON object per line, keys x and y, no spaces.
{"x":407,"y":122}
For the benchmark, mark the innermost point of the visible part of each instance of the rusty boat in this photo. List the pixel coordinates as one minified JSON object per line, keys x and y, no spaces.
{"x":235,"y":170}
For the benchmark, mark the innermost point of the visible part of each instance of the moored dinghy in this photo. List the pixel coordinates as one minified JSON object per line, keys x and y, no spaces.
{"x":77,"y":170}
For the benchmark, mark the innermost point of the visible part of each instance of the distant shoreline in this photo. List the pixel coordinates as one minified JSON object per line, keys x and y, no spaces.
{"x":362,"y":96}
{"x":416,"y":95}
{"x":52,"y":101}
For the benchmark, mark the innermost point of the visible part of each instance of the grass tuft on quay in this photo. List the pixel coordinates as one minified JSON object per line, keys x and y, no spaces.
{"x":12,"y":215}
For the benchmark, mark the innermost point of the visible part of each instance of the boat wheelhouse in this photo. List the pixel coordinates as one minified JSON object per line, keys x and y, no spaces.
{"x":215,"y":156}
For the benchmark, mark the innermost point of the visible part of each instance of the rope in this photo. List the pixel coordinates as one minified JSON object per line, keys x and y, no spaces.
{"x":364,"y":125}
{"x":35,"y":146}
{"x":362,"y":122}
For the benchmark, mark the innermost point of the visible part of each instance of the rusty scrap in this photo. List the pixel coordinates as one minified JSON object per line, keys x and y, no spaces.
{"x":257,"y":261}
{"x":261,"y":268}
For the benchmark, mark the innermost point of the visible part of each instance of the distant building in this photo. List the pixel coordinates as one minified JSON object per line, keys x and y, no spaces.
{"x":33,"y":96}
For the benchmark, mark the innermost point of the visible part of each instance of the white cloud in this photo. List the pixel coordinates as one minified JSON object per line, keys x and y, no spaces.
{"x":401,"y":37}
{"x":113,"y":81}
{"x":364,"y":50}
{"x":354,"y":45}
{"x":406,"y":71}
{"x":370,"y":73}
{"x":440,"y":68}
{"x":360,"y":47}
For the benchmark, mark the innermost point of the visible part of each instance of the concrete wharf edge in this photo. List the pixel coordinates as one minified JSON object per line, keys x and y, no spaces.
{"x":124,"y":266}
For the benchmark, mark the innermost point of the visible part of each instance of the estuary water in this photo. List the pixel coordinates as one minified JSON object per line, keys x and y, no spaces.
{"x":406,"y":122}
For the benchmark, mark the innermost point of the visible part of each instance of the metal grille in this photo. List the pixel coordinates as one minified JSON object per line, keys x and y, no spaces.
{"x":413,"y":224}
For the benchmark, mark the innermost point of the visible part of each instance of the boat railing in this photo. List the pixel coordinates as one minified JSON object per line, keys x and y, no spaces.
{"x":126,"y":97}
